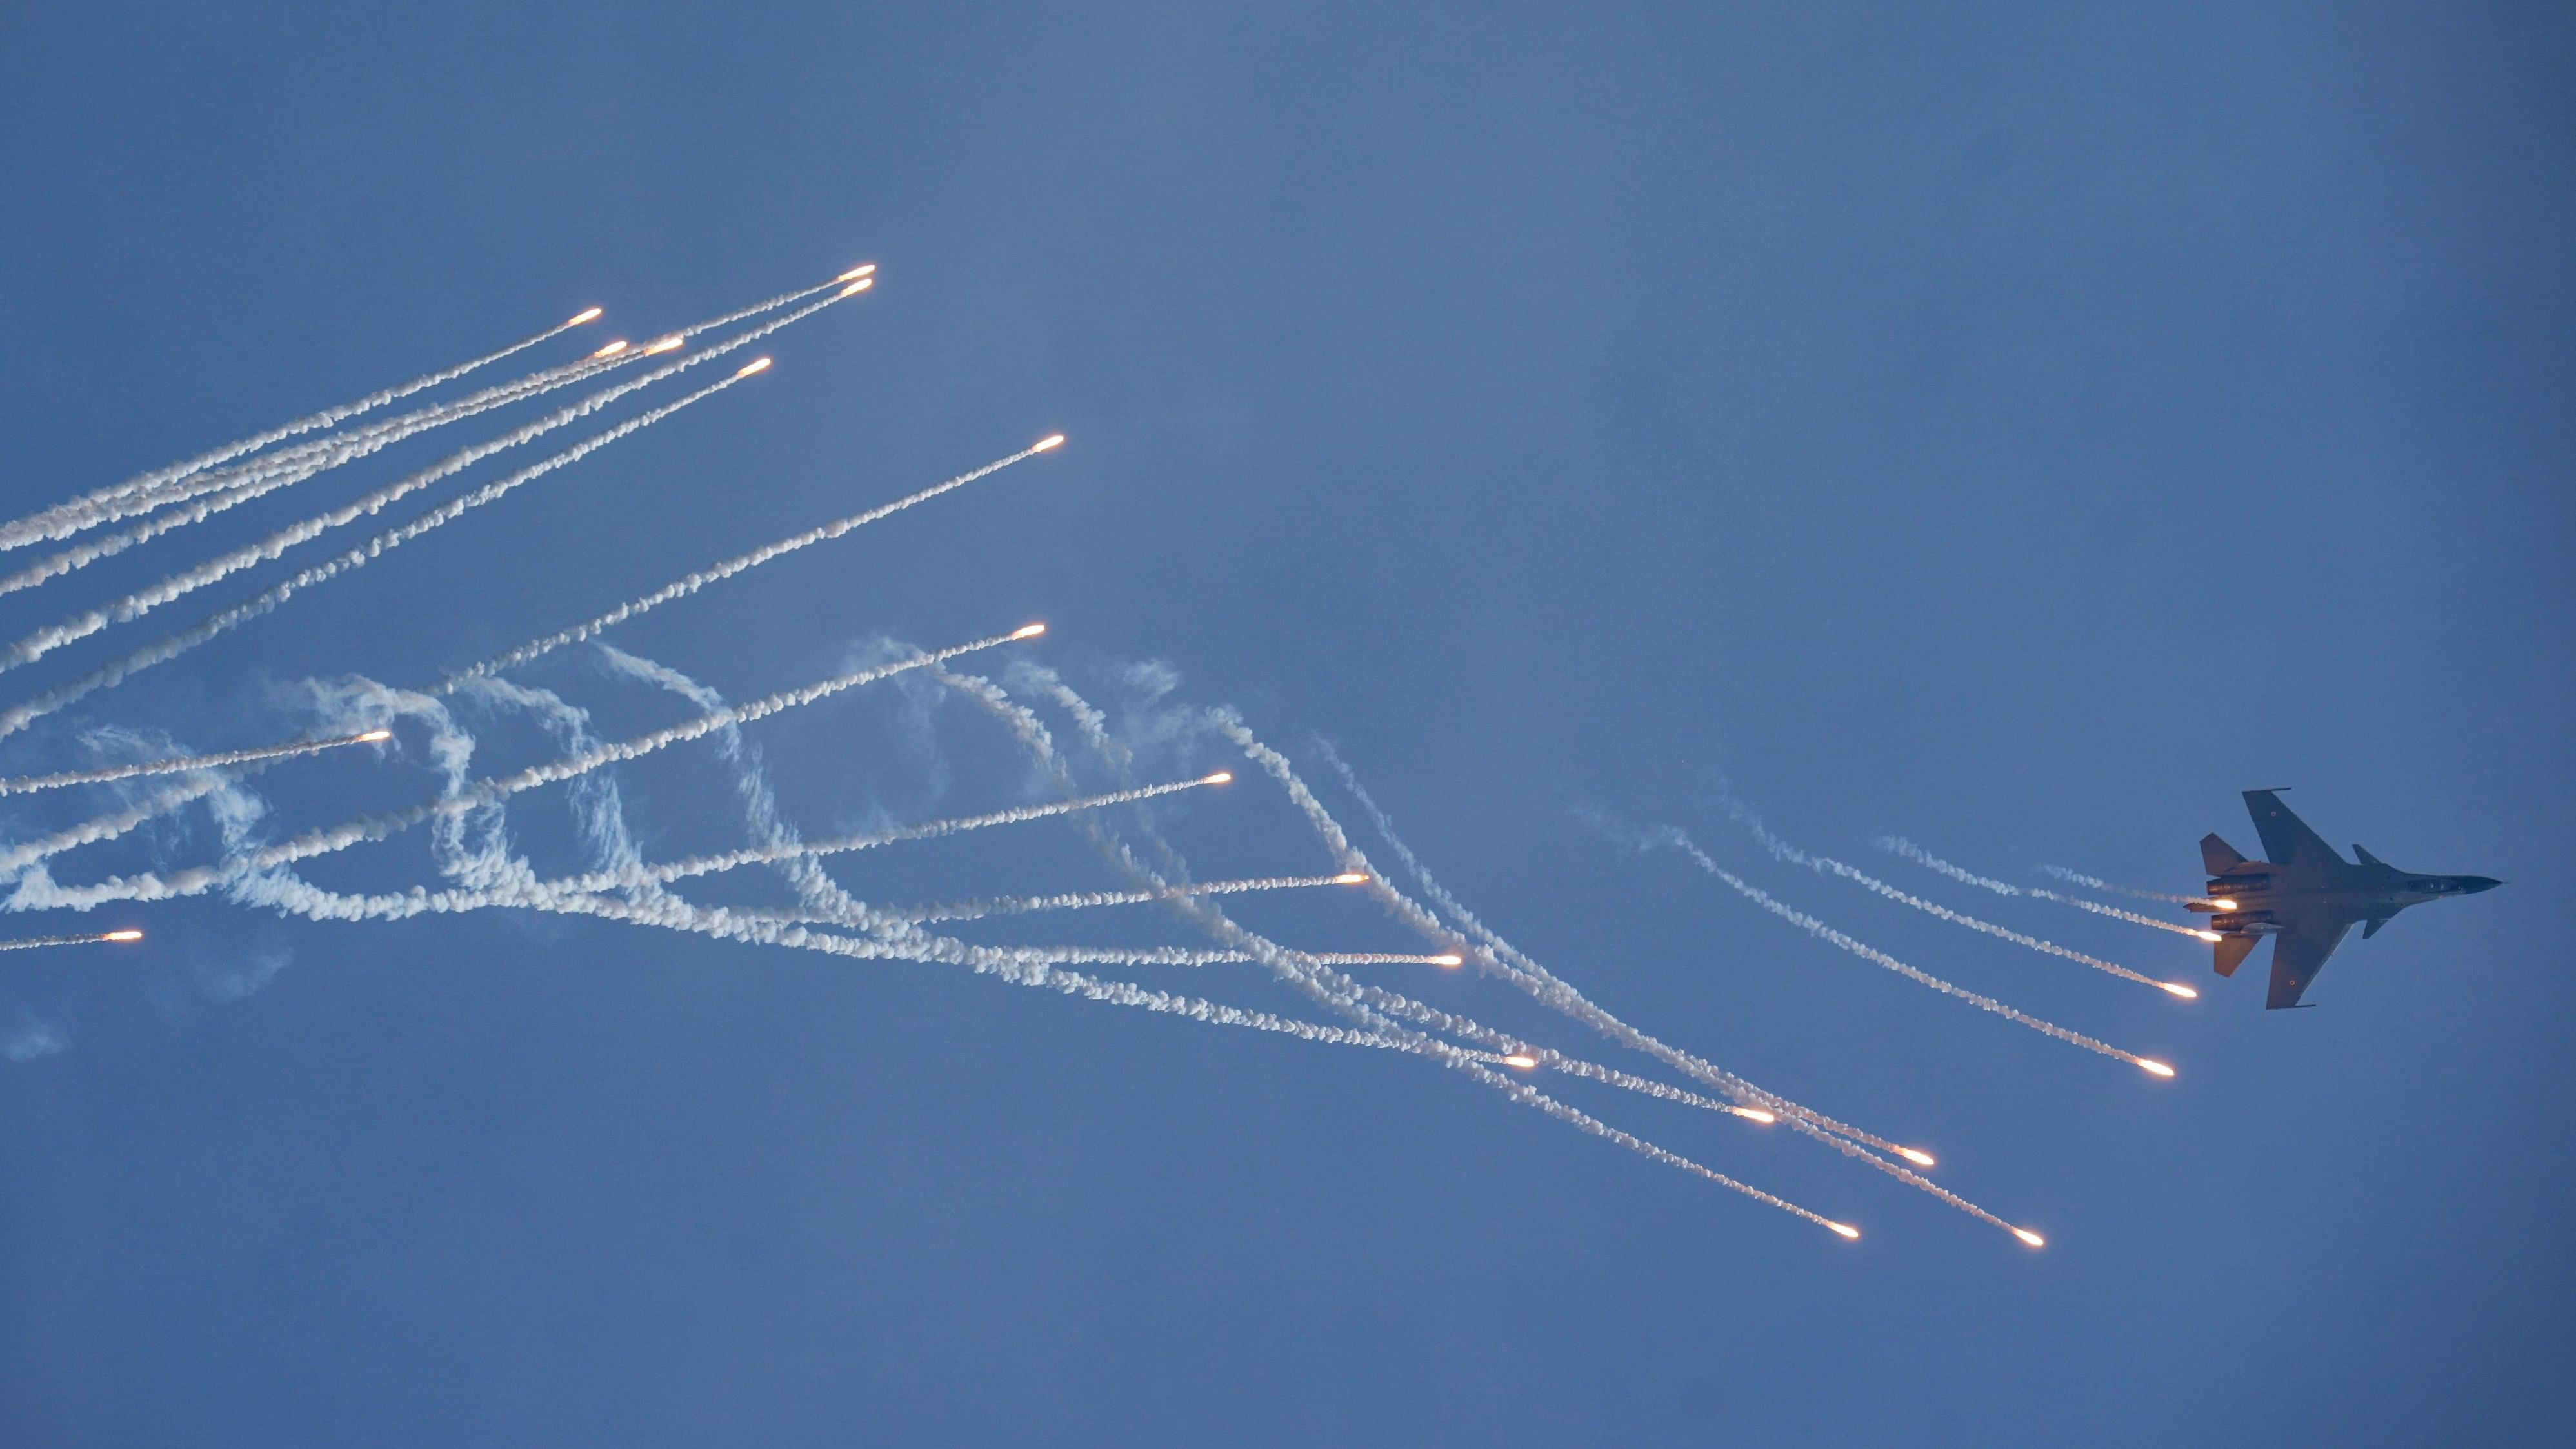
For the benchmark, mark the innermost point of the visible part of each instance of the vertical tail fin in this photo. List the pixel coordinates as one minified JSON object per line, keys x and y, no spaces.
{"x":2218,"y":855}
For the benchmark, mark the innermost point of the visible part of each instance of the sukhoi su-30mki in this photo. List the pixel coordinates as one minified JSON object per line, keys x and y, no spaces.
{"x":2306,"y":896}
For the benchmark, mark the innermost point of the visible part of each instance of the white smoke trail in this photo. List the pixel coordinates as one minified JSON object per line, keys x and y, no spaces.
{"x":490,"y":791}
{"x":227,"y":487}
{"x":1783,"y":850}
{"x":134,"y":606}
{"x":19,"y":716}
{"x":1338,"y":992}
{"x":1502,"y":957}
{"x":1031,"y":966}
{"x":1675,"y":838}
{"x":307,"y":459}
{"x":2114,"y":912}
{"x":2099,"y":884}
{"x":106,"y":774}
{"x":105,"y":827}
{"x":1010,"y":965}
{"x":33,"y":527}
{"x":976,"y":910}
{"x":684,"y":587}
{"x":814,"y":887}
{"x":718,"y":861}
{"x":216,"y":492}
{"x":1913,"y":852}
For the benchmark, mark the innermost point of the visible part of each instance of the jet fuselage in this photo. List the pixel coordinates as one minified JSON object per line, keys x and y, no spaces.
{"x":2307,"y":896}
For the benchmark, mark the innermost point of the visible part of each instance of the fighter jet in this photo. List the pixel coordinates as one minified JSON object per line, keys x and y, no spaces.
{"x":2305,"y":895}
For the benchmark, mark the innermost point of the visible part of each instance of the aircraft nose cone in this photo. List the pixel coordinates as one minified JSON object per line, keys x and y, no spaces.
{"x":2477,"y":883}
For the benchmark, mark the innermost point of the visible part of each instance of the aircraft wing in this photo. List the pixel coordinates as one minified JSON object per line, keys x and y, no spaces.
{"x":2286,"y":838}
{"x":2299,"y":953}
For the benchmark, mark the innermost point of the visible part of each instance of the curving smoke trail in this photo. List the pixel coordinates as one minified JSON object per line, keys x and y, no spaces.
{"x":468,"y":822}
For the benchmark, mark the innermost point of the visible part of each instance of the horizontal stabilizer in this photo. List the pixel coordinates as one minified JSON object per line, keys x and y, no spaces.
{"x":2219,"y":856}
{"x":2231,"y":952}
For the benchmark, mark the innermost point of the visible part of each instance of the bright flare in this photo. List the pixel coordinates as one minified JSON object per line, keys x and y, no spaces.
{"x":1051,"y":440}
{"x":1522,"y":1060}
{"x":1754,"y":1114}
{"x":2178,"y":989}
{"x":665,"y":345}
{"x":122,"y":936}
{"x":757,"y":364}
{"x":854,"y":273}
{"x":2157,"y":1067}
{"x":2223,"y":905}
{"x":1916,"y":1156}
{"x":1348,"y":877}
{"x":1031,"y":631}
{"x":374,"y":736}
{"x":2027,"y":1236}
{"x":590,"y":316}
{"x":855,"y":288}
{"x":2209,"y":935}
{"x":612,"y":349}
{"x":1846,"y":1229}
{"x":1221,"y":777}
{"x":1448,"y":960}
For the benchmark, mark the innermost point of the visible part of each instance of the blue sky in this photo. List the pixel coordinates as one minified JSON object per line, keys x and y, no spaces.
{"x":2019,"y":429}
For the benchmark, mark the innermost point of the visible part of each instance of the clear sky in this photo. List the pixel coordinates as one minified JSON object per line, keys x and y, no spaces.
{"x":2019,"y":430}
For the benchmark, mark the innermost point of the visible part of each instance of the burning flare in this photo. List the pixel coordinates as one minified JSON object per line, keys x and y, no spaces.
{"x":2027,"y":1236}
{"x":126,"y":935}
{"x":2157,"y":1067}
{"x":1522,"y":1060}
{"x":1051,"y":440}
{"x":1755,"y":1114}
{"x":2178,"y":989}
{"x":854,"y":273}
{"x":1031,"y":631}
{"x":1846,"y":1229}
{"x":1915,"y":1155}
{"x":1348,"y":877}
{"x":612,"y":349}
{"x":2209,"y":935}
{"x":579,"y":318}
